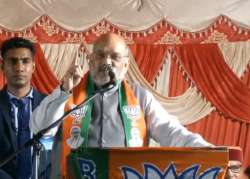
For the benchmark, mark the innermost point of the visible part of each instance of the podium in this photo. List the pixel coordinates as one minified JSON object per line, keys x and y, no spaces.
{"x":148,"y":163}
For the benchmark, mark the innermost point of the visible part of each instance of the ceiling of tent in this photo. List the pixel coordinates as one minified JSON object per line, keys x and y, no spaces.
{"x":132,"y":15}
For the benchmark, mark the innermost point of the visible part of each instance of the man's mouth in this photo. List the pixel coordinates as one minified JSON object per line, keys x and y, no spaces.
{"x":18,"y":76}
{"x":105,"y":67}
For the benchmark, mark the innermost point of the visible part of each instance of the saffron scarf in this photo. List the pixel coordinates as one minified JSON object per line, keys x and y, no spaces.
{"x":76,"y":125}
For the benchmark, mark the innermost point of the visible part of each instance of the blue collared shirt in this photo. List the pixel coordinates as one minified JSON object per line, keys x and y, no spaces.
{"x":46,"y":141}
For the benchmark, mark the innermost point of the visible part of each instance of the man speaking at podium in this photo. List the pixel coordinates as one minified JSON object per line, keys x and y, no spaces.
{"x":125,"y":116}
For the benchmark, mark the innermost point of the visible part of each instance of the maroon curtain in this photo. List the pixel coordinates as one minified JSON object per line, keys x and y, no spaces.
{"x":43,"y":79}
{"x":220,"y":130}
{"x":149,"y":59}
{"x":205,"y":65}
{"x":217,"y":128}
{"x":226,"y":131}
{"x":2,"y":79}
{"x":178,"y":80}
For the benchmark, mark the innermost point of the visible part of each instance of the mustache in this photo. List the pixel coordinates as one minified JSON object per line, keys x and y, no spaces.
{"x":109,"y":70}
{"x":105,"y":68}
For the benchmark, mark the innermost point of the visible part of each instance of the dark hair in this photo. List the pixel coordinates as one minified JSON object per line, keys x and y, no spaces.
{"x":16,"y":42}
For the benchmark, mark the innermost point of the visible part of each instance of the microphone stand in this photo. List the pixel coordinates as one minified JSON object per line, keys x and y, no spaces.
{"x":35,"y":140}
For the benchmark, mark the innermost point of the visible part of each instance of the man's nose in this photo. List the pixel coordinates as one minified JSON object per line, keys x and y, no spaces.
{"x":107,"y":60}
{"x":19,"y":66}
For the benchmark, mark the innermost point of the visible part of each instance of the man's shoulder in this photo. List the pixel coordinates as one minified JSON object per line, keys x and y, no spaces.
{"x":137,"y":88}
{"x":2,"y":92}
{"x":4,"y":102}
{"x":3,"y":96}
{"x":38,"y":97}
{"x":39,"y":94}
{"x":143,"y":95}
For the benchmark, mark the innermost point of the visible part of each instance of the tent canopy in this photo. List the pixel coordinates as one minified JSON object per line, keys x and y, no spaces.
{"x":131,"y":15}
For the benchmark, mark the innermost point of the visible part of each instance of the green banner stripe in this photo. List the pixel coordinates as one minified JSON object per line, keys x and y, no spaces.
{"x":126,"y":121}
{"x":87,"y":117}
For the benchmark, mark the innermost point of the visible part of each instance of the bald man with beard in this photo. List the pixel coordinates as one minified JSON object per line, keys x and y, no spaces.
{"x":127,"y":115}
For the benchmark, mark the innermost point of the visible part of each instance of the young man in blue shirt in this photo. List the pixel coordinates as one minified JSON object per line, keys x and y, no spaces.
{"x":17,"y":101}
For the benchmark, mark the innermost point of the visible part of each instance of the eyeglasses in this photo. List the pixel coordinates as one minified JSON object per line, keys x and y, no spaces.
{"x":113,"y":56}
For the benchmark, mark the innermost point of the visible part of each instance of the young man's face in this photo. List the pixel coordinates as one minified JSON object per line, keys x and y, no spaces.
{"x":18,"y":67}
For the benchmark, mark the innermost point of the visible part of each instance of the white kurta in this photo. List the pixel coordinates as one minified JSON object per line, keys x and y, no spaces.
{"x":162,"y":127}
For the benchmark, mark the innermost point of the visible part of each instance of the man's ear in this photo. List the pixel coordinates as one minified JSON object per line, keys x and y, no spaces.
{"x":87,"y":57}
{"x":34,"y":66}
{"x":127,"y":63}
{"x":90,"y":57}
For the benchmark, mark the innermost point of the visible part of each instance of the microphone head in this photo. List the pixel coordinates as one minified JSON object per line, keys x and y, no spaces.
{"x":110,"y":70}
{"x":111,"y":73}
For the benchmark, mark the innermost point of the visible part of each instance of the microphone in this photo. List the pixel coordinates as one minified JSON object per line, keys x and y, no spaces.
{"x":110,"y":70}
{"x":111,"y":74}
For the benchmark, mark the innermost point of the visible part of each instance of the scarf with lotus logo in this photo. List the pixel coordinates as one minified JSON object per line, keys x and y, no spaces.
{"x":75,"y":127}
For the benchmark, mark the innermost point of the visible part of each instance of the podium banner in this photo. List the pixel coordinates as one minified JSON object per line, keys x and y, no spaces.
{"x":148,"y":163}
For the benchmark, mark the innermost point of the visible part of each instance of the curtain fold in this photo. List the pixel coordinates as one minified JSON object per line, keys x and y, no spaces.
{"x":60,"y":57}
{"x":43,"y":78}
{"x":2,"y":79}
{"x":236,"y":55}
{"x":205,"y":66}
{"x":216,"y":127}
{"x":149,"y":59}
{"x":223,"y":131}
{"x":161,"y":83}
{"x":188,"y":107}
{"x":178,"y":80}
